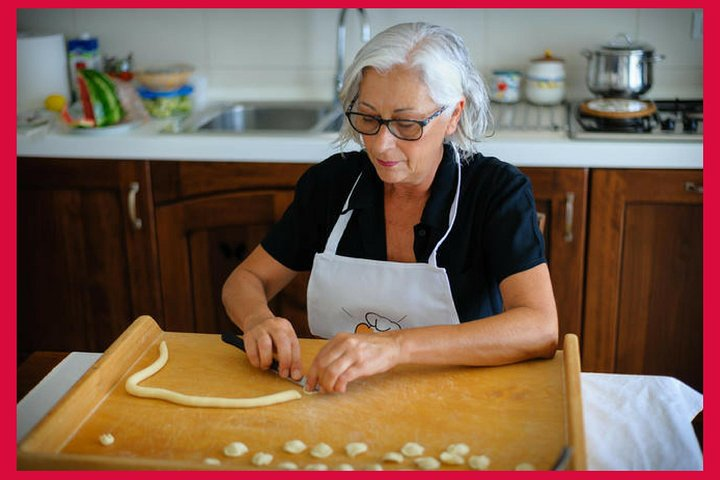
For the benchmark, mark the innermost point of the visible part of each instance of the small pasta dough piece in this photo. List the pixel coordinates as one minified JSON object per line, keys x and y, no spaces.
{"x":524,"y":466}
{"x":479,"y":462}
{"x":345,"y":467}
{"x":287,"y":466}
{"x":412,"y":449}
{"x":427,"y":463}
{"x":373,"y":466}
{"x":321,"y":450}
{"x":393,"y":457}
{"x":107,"y":439}
{"x":295,"y":446}
{"x":458,"y":449}
{"x":261,"y":459}
{"x":235,"y":449}
{"x":316,"y":466}
{"x":355,"y":448}
{"x":451,"y":458}
{"x":211,"y":461}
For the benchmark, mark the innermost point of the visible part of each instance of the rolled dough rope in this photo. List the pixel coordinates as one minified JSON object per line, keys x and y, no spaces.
{"x":132,"y":387}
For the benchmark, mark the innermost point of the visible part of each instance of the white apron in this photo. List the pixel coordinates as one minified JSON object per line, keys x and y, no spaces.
{"x":348,"y":294}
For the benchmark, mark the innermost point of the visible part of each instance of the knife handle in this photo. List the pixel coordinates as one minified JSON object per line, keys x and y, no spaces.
{"x":236,"y":341}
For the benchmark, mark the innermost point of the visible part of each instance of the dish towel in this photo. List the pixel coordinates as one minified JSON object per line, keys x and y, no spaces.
{"x":640,"y":422}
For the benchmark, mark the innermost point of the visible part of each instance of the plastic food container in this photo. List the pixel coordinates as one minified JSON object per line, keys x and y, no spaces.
{"x":174,"y":103}
{"x":164,"y":79}
{"x":505,"y":87}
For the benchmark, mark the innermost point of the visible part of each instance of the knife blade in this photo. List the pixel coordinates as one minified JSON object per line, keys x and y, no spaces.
{"x":238,"y":342}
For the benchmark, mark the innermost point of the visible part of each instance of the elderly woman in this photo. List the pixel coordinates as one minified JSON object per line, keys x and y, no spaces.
{"x":421,"y":249}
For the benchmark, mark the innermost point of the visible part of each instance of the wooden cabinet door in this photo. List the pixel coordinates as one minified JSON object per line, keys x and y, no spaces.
{"x":643,"y":310}
{"x":85,"y":270}
{"x":201,"y":240}
{"x":561,"y":194}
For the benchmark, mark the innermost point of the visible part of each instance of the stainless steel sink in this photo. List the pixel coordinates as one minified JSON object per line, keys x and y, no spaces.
{"x":253,"y":118}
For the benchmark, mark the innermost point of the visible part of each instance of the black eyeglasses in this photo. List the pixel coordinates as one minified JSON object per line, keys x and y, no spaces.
{"x":401,"y":128}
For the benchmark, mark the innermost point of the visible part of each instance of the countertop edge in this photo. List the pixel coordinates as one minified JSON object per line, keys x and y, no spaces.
{"x":551,"y":151}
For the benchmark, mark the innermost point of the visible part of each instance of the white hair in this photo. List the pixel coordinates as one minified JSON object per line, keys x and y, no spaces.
{"x":441,"y":58}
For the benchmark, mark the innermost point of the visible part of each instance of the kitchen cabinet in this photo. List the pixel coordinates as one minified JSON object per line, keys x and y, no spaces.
{"x":210,"y":216}
{"x":86,"y":268}
{"x":643,"y":311}
{"x":624,"y":249}
{"x":561,"y":195}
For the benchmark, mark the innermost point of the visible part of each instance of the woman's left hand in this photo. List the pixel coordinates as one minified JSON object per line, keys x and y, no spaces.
{"x":347,"y":357}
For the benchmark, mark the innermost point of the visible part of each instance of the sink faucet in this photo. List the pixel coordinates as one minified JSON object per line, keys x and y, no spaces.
{"x":364,"y":36}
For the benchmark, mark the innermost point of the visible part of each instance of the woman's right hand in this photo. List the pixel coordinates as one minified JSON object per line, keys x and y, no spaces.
{"x":273,"y":337}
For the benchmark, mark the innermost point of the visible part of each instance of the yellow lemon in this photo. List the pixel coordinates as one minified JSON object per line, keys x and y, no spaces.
{"x":55,"y":102}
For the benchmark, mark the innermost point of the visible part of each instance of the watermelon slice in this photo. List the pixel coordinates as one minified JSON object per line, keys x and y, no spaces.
{"x":100,"y":103}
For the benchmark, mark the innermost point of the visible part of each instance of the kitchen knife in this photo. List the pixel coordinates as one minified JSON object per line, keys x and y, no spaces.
{"x":238,"y":342}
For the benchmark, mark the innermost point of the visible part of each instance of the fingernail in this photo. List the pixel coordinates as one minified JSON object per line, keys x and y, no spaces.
{"x":296,"y":373}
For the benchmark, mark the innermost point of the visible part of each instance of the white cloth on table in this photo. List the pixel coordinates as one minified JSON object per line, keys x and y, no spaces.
{"x":640,"y":422}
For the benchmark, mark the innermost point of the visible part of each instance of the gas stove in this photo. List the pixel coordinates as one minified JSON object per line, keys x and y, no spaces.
{"x":657,"y":120}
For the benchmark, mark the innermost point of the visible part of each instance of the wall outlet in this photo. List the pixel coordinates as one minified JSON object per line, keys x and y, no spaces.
{"x":696,"y":31}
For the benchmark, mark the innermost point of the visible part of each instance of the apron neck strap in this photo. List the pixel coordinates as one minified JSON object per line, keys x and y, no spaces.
{"x":345,"y":214}
{"x":339,"y":228}
{"x":432,"y":260}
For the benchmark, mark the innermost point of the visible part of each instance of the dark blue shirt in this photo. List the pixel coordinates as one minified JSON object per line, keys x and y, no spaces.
{"x":495,"y":233}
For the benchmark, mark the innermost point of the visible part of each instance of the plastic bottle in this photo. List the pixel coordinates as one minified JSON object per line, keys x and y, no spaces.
{"x":83,"y":52}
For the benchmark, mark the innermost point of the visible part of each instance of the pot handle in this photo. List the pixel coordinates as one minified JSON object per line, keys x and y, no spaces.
{"x":586,"y":53}
{"x":654,"y":58}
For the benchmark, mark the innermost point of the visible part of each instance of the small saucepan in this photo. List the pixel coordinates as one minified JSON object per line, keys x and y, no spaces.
{"x":621,"y":68}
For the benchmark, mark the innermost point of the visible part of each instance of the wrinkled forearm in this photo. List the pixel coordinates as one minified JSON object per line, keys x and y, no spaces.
{"x":515,"y":335}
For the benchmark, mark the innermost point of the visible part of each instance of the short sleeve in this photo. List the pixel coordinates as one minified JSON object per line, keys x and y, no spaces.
{"x":512,"y":238}
{"x":293,"y":240}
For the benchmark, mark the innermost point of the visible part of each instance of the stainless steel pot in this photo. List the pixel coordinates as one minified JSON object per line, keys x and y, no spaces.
{"x":622,"y":68}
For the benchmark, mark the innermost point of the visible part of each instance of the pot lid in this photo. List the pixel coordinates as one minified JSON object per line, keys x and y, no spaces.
{"x":547,"y":57}
{"x":622,"y":42}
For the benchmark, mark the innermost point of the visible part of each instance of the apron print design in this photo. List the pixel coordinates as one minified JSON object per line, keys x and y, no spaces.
{"x":374,"y":322}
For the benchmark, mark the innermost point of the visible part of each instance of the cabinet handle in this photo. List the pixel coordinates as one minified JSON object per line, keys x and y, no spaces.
{"x":132,"y":205}
{"x":569,"y":215}
{"x":693,"y":187}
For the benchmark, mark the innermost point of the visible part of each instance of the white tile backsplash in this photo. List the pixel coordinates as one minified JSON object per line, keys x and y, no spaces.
{"x":290,"y":53}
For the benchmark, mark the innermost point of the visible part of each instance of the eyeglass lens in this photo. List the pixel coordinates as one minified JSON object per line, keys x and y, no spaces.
{"x":369,"y":125}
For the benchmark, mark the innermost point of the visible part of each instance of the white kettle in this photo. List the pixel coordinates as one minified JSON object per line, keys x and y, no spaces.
{"x":545,"y":80}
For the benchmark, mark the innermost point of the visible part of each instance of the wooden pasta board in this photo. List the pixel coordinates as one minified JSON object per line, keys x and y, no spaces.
{"x":525,"y":412}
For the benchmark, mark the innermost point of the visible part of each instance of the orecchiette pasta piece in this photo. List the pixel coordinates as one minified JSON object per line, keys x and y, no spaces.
{"x":412,"y":449}
{"x":393,"y":457}
{"x":261,"y":459}
{"x":321,"y":450}
{"x":107,"y":439}
{"x":427,"y":463}
{"x":451,"y":458}
{"x":294,"y":446}
{"x":356,"y":448}
{"x":235,"y":449}
{"x":479,"y":462}
{"x":458,"y":449}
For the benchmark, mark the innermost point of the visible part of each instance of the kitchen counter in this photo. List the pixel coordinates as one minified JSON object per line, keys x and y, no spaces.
{"x":523,"y":149}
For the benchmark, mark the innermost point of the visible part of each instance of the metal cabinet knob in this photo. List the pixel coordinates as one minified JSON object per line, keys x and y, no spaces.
{"x":569,"y":215}
{"x":693,"y":187}
{"x":132,"y":205}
